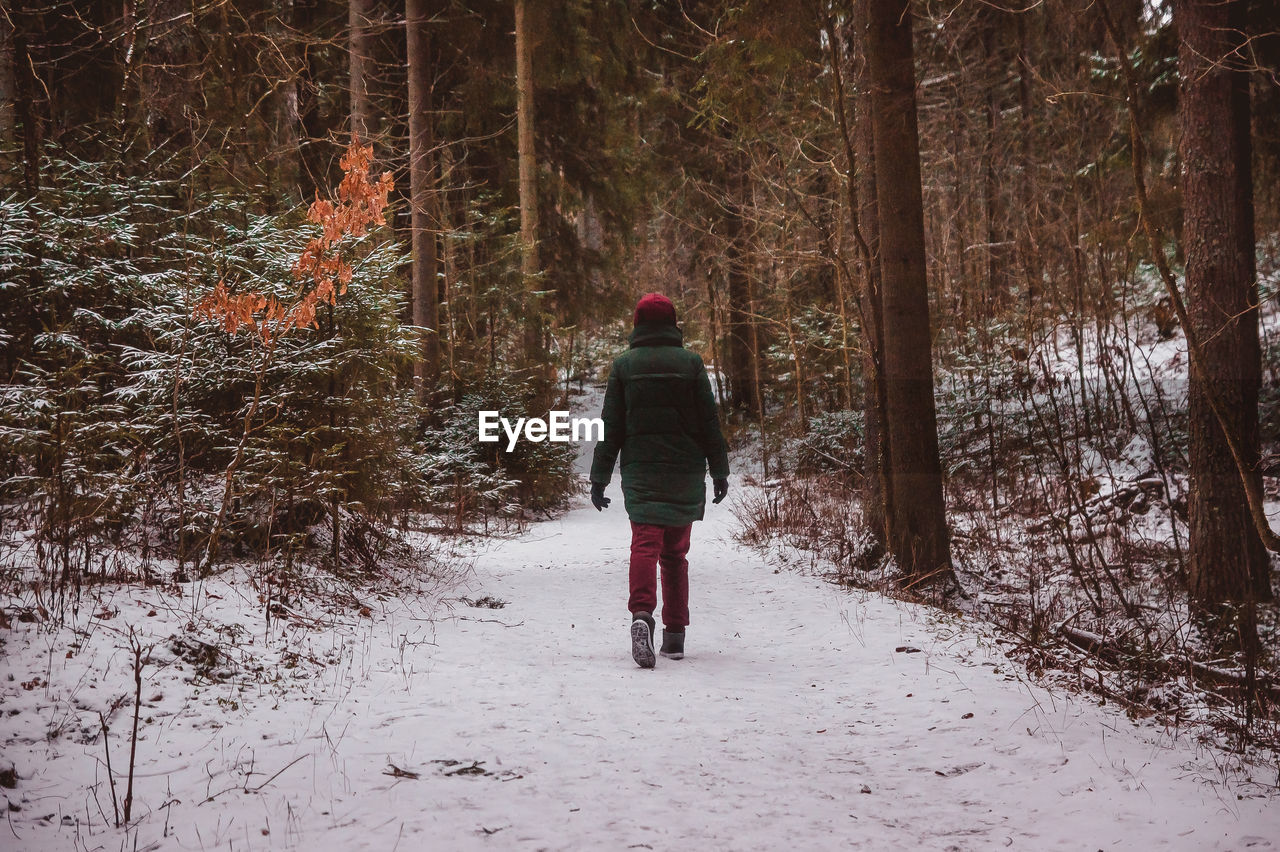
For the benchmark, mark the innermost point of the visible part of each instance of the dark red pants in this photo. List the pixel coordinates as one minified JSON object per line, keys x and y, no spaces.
{"x":651,"y":546}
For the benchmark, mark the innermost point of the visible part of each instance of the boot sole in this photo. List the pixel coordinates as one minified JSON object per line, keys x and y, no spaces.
{"x":642,"y":644}
{"x":672,"y":655}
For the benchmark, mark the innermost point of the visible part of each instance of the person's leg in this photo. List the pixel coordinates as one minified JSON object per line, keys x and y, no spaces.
{"x":675,"y":577}
{"x":646,"y":545}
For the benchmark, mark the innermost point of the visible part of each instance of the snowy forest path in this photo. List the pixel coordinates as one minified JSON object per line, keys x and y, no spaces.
{"x":804,"y":716}
{"x":504,"y":712}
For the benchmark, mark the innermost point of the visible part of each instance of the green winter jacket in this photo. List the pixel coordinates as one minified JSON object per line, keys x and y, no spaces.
{"x":660,"y":413}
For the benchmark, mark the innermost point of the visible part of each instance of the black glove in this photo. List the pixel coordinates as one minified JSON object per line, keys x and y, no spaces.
{"x":720,"y":487}
{"x":598,"y":499}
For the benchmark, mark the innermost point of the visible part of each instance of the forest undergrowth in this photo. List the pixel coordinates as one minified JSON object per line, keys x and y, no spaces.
{"x":146,"y":438}
{"x":1066,"y":484}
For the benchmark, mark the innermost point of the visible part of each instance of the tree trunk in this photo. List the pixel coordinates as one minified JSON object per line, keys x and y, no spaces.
{"x":1227,"y":560}
{"x":743,"y":390}
{"x":876,"y":490}
{"x":997,"y":288}
{"x":169,"y":77}
{"x":847,"y":227}
{"x":919,"y":538}
{"x":129,"y":109}
{"x":8,"y":95}
{"x":421,"y":141}
{"x":24,"y":102}
{"x":1027,"y":254}
{"x":535,"y":352}
{"x":713,"y":308}
{"x":29,"y":120}
{"x":797,"y":355}
{"x":357,"y":60}
{"x":286,"y":122}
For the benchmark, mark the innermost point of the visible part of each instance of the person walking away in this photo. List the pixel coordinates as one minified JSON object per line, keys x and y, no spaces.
{"x":660,"y":414}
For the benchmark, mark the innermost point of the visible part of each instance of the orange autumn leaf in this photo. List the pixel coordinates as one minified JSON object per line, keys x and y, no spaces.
{"x":319,"y":265}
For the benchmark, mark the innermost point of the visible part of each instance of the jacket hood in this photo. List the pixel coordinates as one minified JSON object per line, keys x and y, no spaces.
{"x":656,"y":334}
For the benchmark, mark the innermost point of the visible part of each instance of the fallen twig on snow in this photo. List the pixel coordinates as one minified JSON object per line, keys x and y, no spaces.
{"x":397,"y":772}
{"x":247,"y":789}
{"x":490,"y":621}
{"x":277,"y":775}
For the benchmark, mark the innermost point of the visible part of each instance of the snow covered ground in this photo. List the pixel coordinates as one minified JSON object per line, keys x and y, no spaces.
{"x":803,"y":717}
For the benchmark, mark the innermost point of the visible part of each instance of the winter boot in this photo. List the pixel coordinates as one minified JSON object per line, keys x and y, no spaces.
{"x":642,"y":640}
{"x":672,"y":644}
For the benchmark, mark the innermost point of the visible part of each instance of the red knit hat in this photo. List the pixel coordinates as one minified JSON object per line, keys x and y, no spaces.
{"x":655,"y":308}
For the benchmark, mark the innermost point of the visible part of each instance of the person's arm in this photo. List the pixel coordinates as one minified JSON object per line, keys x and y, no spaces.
{"x":614,"y":415}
